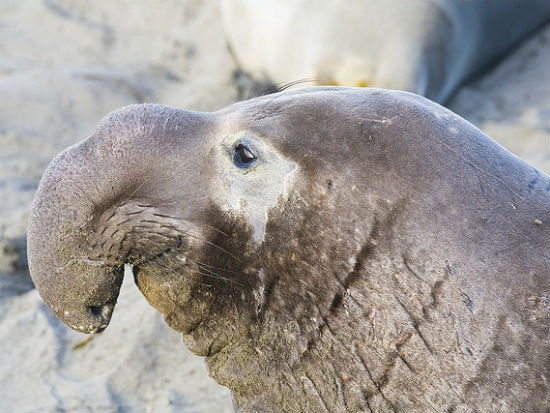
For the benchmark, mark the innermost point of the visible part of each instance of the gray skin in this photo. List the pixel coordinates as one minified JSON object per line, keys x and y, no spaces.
{"x":380,"y":253}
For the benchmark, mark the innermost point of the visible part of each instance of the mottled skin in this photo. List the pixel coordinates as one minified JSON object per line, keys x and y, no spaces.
{"x":382,"y":254}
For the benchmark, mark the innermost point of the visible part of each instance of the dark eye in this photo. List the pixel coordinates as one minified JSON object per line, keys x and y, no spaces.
{"x":242,"y":156}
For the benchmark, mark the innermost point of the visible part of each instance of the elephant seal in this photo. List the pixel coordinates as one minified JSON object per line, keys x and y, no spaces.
{"x":428,"y":47}
{"x":326,"y":249}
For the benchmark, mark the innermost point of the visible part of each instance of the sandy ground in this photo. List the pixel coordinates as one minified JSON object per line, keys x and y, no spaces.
{"x":511,"y":103}
{"x":64,"y":64}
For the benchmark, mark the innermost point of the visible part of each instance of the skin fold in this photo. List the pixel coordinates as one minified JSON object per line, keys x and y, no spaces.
{"x":326,"y":249}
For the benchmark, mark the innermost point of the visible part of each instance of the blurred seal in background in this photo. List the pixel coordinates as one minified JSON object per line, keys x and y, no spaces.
{"x":428,"y":47}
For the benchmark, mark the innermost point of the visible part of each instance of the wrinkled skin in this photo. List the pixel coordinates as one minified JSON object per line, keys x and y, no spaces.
{"x":380,"y":253}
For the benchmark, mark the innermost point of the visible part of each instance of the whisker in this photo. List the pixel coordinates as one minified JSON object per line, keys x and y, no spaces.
{"x":206,"y":267}
{"x":172,"y":254}
{"x":174,"y":201}
{"x":207,"y":273}
{"x":202,"y":264}
{"x":154,"y":261}
{"x":185,"y":233}
{"x":190,"y":220}
{"x":163,"y":246}
{"x":214,"y":276}
{"x":180,"y":242}
{"x":149,"y":221}
{"x":279,"y":87}
{"x":137,"y":212}
{"x":171,"y":267}
{"x":137,"y":189}
{"x":113,"y":212}
{"x":283,"y":87}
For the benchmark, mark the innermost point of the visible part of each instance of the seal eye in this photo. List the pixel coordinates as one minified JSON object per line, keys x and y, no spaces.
{"x":242,"y":156}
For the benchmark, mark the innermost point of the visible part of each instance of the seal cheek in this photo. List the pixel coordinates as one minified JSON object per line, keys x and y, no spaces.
{"x":183,"y":304}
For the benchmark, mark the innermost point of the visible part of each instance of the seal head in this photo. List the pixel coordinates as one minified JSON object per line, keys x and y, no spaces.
{"x":326,"y":249}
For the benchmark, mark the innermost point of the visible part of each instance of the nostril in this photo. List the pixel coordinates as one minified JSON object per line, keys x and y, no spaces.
{"x":96,"y":310}
{"x":101,"y":312}
{"x":99,"y":317}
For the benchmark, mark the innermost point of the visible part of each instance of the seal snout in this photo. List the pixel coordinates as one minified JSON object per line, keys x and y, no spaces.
{"x":86,"y":299}
{"x":89,"y":319}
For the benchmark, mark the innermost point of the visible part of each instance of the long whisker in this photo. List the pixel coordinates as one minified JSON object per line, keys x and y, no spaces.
{"x":179,"y":240}
{"x":204,"y":271}
{"x":162,"y":246}
{"x":137,"y":188}
{"x":139,"y":212}
{"x":176,"y":218}
{"x":283,"y":87}
{"x":179,"y":254}
{"x":164,"y":264}
{"x":171,"y":266}
{"x":202,"y":264}
{"x":190,"y":220}
{"x":189,"y":234}
{"x":279,"y":87}
{"x":206,"y":274}
{"x":175,"y":200}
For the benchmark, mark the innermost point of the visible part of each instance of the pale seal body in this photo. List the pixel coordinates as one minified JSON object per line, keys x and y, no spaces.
{"x":428,"y":47}
{"x":326,"y":249}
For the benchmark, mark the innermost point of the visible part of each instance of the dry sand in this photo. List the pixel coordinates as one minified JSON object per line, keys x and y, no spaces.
{"x":64,"y":64}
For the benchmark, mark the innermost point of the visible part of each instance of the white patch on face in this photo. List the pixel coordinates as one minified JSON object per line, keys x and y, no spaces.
{"x":252,"y":190}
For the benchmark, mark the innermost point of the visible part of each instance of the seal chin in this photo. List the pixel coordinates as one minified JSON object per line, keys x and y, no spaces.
{"x":202,"y":343}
